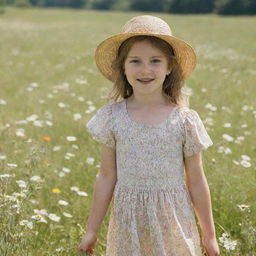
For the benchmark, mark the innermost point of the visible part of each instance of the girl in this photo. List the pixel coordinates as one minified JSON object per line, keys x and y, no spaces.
{"x":150,"y":160}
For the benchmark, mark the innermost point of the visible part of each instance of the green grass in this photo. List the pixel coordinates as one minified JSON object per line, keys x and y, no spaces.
{"x":54,"y":47}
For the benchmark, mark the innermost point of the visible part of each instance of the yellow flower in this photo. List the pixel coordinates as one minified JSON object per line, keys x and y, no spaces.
{"x":56,"y":190}
{"x":46,"y":163}
{"x":47,"y":138}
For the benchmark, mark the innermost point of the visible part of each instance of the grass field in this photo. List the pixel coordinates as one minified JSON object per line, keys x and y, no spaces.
{"x":50,"y":87}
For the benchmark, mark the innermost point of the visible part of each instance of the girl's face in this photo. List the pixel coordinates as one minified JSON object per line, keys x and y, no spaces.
{"x":146,"y":68}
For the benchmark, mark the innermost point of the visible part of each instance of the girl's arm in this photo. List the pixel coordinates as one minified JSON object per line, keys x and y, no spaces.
{"x":103,"y":191}
{"x":201,"y":199}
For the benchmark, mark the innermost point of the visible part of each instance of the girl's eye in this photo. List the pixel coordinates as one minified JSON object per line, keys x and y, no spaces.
{"x":134,"y":61}
{"x":155,"y":61}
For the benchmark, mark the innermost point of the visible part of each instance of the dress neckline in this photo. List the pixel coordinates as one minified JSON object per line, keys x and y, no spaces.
{"x":147,"y":125}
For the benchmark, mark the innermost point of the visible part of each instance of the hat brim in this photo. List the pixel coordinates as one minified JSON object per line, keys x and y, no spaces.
{"x":107,"y":50}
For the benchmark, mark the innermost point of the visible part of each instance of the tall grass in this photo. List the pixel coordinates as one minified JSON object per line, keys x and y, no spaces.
{"x":50,"y":87}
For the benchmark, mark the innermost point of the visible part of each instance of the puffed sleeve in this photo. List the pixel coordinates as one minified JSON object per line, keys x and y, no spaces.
{"x":196,"y":137}
{"x":100,"y":126}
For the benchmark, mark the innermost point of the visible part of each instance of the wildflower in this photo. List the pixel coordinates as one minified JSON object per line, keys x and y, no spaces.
{"x":34,"y":84}
{"x":12,"y":198}
{"x":209,"y":121}
{"x":20,"y":132}
{"x":226,"y":109}
{"x":39,"y":218}
{"x":66,"y":170}
{"x":2,"y":102}
{"x":56,"y":148}
{"x":245,"y":108}
{"x":60,"y":249}
{"x":210,"y":107}
{"x":49,"y":123}
{"x":62,"y":105}
{"x":90,"y":160}
{"x":41,"y":212}
{"x":38,"y":123}
{"x":82,"y":193}
{"x":81,"y":99}
{"x":71,"y":138}
{"x":47,"y":138}
{"x":235,"y":162}
{"x":227,"y":243}
{"x":12,"y":165}
{"x":32,"y":118}
{"x":224,"y":150}
{"x":21,"y":183}
{"x":33,"y":201}
{"x":75,"y":146}
{"x":74,"y":188}
{"x":245,"y":163}
{"x":245,"y":157}
{"x":227,"y":125}
{"x":239,"y":139}
{"x":227,"y":137}
{"x":81,"y":81}
{"x":230,"y":245}
{"x":2,"y":156}
{"x":62,"y":174}
{"x":16,"y":195}
{"x":6,"y":175}
{"x":67,"y":215}
{"x":26,"y":223}
{"x":243,"y":207}
{"x":36,"y":178}
{"x":54,"y":217}
{"x":77,"y":116}
{"x":69,"y":155}
{"x":90,"y":109}
{"x":56,"y":191}
{"x":62,"y":202}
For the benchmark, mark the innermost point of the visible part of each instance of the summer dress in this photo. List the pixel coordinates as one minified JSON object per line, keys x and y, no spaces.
{"x":151,"y":211}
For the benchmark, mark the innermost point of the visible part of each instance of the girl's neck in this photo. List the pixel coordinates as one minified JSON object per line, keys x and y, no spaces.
{"x":141,"y":101}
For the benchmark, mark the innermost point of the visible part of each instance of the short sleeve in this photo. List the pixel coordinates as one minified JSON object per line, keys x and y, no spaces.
{"x":196,"y":137}
{"x":100,"y":126}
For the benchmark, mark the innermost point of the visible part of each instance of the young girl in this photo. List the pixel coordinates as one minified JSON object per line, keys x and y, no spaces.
{"x":151,"y":143}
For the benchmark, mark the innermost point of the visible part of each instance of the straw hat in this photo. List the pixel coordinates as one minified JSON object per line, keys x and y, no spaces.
{"x":148,"y":25}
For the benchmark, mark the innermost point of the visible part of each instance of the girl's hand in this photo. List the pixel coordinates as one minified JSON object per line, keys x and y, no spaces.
{"x":88,"y":243}
{"x":211,"y":246}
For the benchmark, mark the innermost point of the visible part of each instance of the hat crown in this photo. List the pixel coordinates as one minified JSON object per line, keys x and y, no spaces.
{"x":147,"y":24}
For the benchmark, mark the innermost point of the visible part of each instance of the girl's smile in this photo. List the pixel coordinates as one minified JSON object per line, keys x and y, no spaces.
{"x":146,"y":67}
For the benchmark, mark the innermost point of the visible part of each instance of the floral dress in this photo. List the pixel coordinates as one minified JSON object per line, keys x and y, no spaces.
{"x":151,"y":211}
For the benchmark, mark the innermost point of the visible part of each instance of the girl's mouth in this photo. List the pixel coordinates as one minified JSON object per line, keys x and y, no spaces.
{"x":145,"y":81}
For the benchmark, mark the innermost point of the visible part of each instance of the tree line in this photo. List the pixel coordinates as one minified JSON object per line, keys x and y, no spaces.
{"x":222,"y":7}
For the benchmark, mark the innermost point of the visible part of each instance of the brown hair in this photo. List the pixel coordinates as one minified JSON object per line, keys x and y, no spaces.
{"x":172,"y":84}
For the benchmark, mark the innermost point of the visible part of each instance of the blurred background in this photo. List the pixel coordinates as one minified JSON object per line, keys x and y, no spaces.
{"x":223,"y":7}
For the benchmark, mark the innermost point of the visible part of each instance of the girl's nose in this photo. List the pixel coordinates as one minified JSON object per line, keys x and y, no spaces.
{"x":146,"y":68}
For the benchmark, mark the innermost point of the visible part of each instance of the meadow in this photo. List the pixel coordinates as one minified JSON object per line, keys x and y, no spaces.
{"x":49,"y":89}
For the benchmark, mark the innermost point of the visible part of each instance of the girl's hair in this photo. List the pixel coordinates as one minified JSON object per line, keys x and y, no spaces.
{"x":172,"y":86}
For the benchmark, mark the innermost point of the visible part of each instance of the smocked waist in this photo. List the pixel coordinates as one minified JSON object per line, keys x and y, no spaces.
{"x":149,"y":183}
